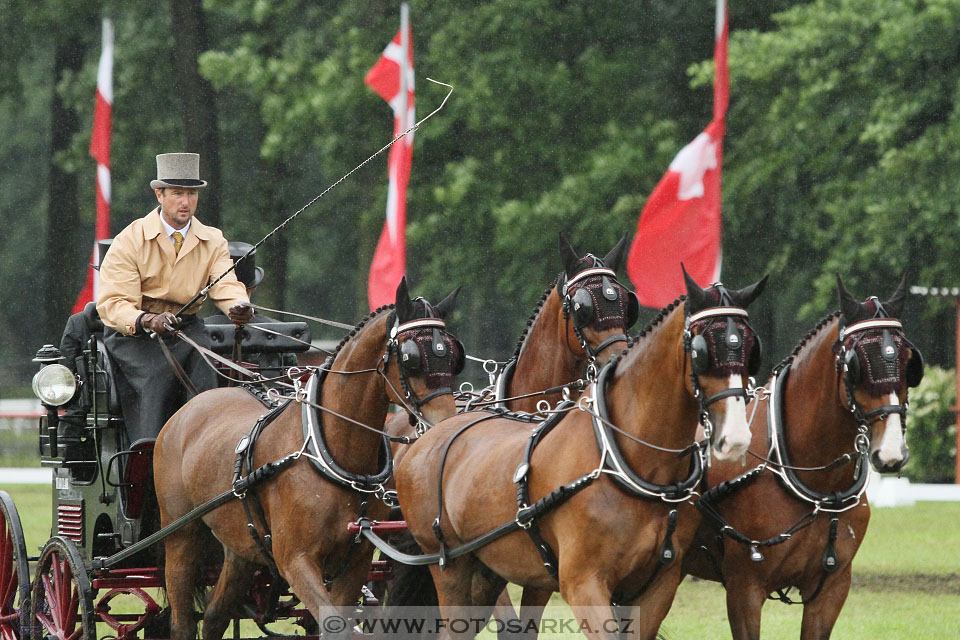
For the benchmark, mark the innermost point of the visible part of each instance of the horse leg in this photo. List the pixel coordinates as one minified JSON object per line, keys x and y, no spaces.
{"x":644,"y":615}
{"x":234,"y":581}
{"x":532,"y":603}
{"x":745,"y":600}
{"x":821,"y":614}
{"x":181,"y":569}
{"x":589,"y":598}
{"x":305,"y":577}
{"x":466,"y":593}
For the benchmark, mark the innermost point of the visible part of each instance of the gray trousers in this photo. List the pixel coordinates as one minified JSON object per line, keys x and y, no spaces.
{"x":149,"y":390}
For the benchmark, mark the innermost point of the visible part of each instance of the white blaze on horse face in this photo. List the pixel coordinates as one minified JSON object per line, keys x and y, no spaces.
{"x":889,"y":450}
{"x":733,"y":437}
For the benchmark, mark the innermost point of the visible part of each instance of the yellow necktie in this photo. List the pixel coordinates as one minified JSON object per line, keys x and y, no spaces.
{"x":177,"y":242}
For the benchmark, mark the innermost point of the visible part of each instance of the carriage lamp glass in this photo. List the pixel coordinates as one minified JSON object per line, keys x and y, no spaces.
{"x":54,"y":385}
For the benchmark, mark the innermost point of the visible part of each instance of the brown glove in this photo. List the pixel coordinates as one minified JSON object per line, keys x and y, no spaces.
{"x":240,"y":313}
{"x":155,"y":321}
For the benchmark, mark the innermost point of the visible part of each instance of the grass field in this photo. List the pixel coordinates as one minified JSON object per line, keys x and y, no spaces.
{"x":906,"y":579}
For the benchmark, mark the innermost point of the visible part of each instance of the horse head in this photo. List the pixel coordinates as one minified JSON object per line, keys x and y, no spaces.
{"x":876,"y":364}
{"x":723,"y":352}
{"x":422,"y":356}
{"x":596,"y":309}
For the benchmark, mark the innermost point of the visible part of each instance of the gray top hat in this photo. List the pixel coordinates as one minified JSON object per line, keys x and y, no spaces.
{"x":178,"y":170}
{"x":247,"y":271}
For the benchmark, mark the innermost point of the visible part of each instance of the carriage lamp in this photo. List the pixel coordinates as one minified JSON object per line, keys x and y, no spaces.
{"x":54,"y":383}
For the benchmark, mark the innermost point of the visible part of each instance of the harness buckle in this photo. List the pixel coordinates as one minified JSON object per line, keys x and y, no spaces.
{"x":520,"y":524}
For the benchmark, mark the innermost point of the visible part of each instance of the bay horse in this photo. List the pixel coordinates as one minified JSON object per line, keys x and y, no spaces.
{"x":796,"y":518}
{"x":577,"y":322}
{"x":614,"y":517}
{"x":297,"y":523}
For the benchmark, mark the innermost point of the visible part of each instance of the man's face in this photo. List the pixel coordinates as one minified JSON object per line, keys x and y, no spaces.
{"x":177,"y":205}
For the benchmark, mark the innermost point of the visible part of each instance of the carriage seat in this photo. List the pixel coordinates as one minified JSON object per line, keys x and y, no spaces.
{"x":92,"y":319}
{"x":291,"y":338}
{"x":105,"y":384}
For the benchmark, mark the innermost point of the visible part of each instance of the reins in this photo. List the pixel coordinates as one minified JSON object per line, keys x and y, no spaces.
{"x":203,"y":292}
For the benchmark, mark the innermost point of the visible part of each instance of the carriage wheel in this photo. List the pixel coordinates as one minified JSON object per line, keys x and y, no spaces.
{"x":14,"y":573}
{"x":61,"y":598}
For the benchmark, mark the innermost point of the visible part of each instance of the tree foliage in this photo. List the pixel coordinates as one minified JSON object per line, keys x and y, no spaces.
{"x":840,"y":153}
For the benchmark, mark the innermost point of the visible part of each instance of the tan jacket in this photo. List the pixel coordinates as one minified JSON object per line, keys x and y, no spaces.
{"x":141,"y":272}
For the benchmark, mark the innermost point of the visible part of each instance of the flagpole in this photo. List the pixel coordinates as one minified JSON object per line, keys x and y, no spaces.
{"x":404,"y":62}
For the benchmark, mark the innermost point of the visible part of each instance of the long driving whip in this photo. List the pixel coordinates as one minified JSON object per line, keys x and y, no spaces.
{"x":203,"y":292}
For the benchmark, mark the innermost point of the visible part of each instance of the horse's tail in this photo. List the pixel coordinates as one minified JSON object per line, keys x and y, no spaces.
{"x":411,"y":592}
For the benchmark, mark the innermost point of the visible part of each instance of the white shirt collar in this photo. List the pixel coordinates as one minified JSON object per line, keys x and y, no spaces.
{"x":169,"y":230}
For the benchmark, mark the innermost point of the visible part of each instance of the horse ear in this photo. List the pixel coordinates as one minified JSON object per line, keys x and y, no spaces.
{"x":894,"y":306}
{"x":406,"y":310}
{"x":697,"y":298}
{"x":568,"y":255}
{"x":849,"y":306}
{"x":748,"y":294}
{"x":445,"y":306}
{"x":613,"y":259}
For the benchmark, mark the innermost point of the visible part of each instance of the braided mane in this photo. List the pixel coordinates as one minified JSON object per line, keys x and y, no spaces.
{"x":663,"y":313}
{"x":820,"y":325}
{"x":533,"y":317}
{"x":360,"y":325}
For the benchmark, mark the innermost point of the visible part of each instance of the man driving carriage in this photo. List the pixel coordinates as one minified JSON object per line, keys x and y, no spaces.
{"x":156,"y":265}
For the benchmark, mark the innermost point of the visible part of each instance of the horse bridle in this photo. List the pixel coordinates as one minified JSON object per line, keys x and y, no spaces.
{"x":405,"y":354}
{"x":845,"y":357}
{"x":578,"y":305}
{"x":698,"y":353}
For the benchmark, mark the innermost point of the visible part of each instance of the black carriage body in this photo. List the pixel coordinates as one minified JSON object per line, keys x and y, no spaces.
{"x":103,"y":498}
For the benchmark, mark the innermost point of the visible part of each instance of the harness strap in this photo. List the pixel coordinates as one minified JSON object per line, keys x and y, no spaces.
{"x":525,"y":514}
{"x":177,"y":369}
{"x":244,"y":451}
{"x":664,"y":557}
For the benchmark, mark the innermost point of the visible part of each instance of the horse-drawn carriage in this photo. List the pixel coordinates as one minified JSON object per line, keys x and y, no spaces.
{"x":627,"y":455}
{"x":92,"y":570}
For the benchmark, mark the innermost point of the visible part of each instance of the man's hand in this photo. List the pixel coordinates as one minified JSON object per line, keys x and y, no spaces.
{"x":155,"y":321}
{"x":240,"y":313}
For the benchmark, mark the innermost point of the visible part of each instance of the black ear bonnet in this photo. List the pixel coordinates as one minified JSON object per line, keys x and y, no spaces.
{"x":429,"y":349}
{"x":595,"y":296}
{"x":721,"y":340}
{"x":877,"y":355}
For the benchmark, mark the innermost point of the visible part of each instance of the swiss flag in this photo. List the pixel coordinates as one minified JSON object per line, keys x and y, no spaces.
{"x":392,"y":78}
{"x":681,"y":220}
{"x":100,"y":150}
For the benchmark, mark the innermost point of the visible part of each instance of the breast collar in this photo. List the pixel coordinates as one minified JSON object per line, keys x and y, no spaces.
{"x":837,"y":501}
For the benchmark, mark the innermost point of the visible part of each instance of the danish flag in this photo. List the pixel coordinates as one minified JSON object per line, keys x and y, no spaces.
{"x":100,"y":150}
{"x":681,"y":220}
{"x":392,"y":78}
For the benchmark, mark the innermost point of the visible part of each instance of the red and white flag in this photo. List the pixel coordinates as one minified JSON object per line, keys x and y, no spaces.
{"x":681,"y":220}
{"x":100,"y":150}
{"x":392,"y":78}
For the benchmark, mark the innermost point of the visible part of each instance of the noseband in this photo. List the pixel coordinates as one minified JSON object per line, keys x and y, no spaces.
{"x":394,"y":348}
{"x":844,"y":356}
{"x":695,"y":351}
{"x":572,"y":307}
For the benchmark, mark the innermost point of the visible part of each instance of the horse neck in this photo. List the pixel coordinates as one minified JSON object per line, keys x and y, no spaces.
{"x":546,"y":358}
{"x":361,"y":397}
{"x":817,"y":429}
{"x":648,"y":398}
